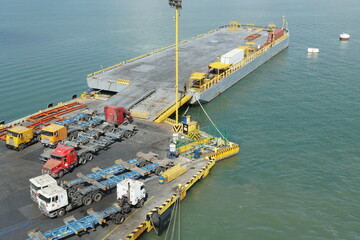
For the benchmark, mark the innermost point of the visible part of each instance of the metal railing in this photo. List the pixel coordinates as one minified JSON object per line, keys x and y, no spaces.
{"x":239,"y":65}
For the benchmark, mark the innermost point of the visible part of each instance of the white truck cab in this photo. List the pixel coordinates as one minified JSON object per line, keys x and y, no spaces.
{"x":40,"y":182}
{"x":131,"y":191}
{"x":52,"y":201}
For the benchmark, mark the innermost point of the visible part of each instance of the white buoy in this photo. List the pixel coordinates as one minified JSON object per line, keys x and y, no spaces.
{"x":313,"y":50}
{"x":344,"y":36}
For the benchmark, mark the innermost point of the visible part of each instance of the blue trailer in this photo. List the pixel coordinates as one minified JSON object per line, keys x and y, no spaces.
{"x":73,"y":226}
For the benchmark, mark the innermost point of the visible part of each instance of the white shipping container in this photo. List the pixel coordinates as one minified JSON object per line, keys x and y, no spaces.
{"x":232,"y":57}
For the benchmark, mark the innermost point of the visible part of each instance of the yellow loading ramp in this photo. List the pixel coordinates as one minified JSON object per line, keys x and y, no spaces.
{"x":171,"y":110}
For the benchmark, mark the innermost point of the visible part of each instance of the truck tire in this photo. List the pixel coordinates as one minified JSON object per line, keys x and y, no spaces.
{"x":97,"y":197}
{"x":82,"y":159}
{"x":126,"y":208}
{"x":140,"y":203}
{"x":128,"y":134}
{"x":71,"y":192}
{"x":69,"y":207}
{"x":111,"y":128}
{"x":38,"y":138}
{"x":61,"y":174}
{"x":73,"y":135}
{"x":21,"y":147}
{"x":87,"y":200}
{"x":61,"y":212}
{"x":119,"y":218}
{"x":89,"y":156}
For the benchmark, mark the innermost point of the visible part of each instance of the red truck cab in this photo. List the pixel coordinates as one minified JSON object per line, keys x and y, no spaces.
{"x":117,"y":115}
{"x":62,"y":160}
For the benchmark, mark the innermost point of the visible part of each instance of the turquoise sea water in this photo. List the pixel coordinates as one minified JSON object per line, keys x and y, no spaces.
{"x":296,"y":117}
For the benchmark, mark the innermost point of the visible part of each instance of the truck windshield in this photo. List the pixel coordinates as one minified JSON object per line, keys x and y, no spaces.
{"x":45,"y":199}
{"x":34,"y":187}
{"x":47,"y":133}
{"x":13,"y":134}
{"x":56,"y":157}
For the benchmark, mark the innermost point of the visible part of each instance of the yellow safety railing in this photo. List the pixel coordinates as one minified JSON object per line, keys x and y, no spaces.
{"x":240,"y":64}
{"x":223,"y":152}
{"x":189,"y":146}
{"x":170,"y":121}
{"x":123,"y":81}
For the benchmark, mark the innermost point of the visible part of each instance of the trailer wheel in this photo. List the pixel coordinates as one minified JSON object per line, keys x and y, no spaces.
{"x":158,"y":171}
{"x":87,"y":117}
{"x":61,"y":174}
{"x":97,"y":196}
{"x":89,"y":156}
{"x":142,"y":163}
{"x":87,"y":200}
{"x":119,"y":218}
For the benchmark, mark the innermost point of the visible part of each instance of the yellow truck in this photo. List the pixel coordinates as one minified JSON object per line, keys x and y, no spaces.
{"x":54,"y":133}
{"x":19,"y":137}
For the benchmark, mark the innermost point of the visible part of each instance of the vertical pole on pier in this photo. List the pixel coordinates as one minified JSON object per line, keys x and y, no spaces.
{"x":177,"y":4}
{"x":177,"y":64}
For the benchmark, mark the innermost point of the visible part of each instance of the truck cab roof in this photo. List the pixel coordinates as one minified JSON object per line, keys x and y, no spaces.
{"x":18,"y":129}
{"x":42,"y":180}
{"x":52,"y":127}
{"x":62,"y":150}
{"x":51,"y":191}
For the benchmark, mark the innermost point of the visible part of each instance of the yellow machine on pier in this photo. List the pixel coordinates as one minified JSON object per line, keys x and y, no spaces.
{"x":202,"y":81}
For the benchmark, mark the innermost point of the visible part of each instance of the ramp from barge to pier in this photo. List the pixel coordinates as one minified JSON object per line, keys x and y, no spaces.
{"x":146,"y":84}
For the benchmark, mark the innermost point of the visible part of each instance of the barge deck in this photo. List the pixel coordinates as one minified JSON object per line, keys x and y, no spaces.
{"x":146,"y":83}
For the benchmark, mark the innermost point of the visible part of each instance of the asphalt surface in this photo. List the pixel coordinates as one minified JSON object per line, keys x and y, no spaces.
{"x":19,"y":214}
